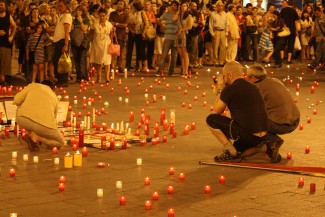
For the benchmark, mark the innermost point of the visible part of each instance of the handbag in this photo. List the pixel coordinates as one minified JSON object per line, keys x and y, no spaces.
{"x":297,"y":45}
{"x":65,"y":64}
{"x":150,"y":32}
{"x":251,"y":29}
{"x":114,"y":49}
{"x":77,"y":37}
{"x":285,"y":32}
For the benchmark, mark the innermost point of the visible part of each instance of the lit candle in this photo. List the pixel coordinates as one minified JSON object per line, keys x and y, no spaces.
{"x":297,"y":87}
{"x":301,"y":182}
{"x":315,"y":112}
{"x":186,"y":130}
{"x":81,"y":137}
{"x":147,"y":181}
{"x":139,"y":161}
{"x":56,"y":161}
{"x":301,"y":127}
{"x":13,"y":214}
{"x":181,"y":176}
{"x":312,"y":89}
{"x":112,"y":143}
{"x":164,"y":139}
{"x":14,"y":155}
{"x":307,"y":149}
{"x":25,"y":157}
{"x":61,"y":187}
{"x":131,"y":117}
{"x":100,"y":192}
{"x":207,"y":189}
{"x":68,"y":161}
{"x":77,"y":159}
{"x":84,"y":151}
{"x":221,"y":179}
{"x":35,"y":159}
{"x":122,"y":200}
{"x":119,"y":184}
{"x":190,"y":106}
{"x":183,"y":104}
{"x":12,"y":172}
{"x":308,"y":120}
{"x":165,"y":125}
{"x":74,"y":147}
{"x":100,"y":164}
{"x":172,"y":128}
{"x":155,"y":195}
{"x":147,"y":205}
{"x":54,"y":150}
{"x":170,"y":189}
{"x":124,"y":143}
{"x":146,"y":127}
{"x":62,"y":179}
{"x":156,"y":130}
{"x":312,"y":188}
{"x":289,"y":155}
{"x":171,"y":212}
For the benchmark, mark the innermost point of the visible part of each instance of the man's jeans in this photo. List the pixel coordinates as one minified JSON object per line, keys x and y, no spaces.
{"x":320,"y":54}
{"x":168,"y":44}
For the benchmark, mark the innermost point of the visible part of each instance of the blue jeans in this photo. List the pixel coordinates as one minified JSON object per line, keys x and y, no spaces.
{"x":80,"y":59}
{"x":319,"y":54}
{"x":168,"y":44}
{"x":254,"y":39}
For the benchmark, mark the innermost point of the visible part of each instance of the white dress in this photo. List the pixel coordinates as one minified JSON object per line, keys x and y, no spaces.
{"x":99,"y":50}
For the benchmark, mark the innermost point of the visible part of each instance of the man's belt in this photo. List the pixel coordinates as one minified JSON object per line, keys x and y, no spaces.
{"x":218,"y":29}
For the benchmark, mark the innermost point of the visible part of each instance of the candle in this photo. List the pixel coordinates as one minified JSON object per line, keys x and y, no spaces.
{"x":7,"y":131}
{"x":156,"y":130}
{"x":183,"y":104}
{"x":297,"y":87}
{"x":62,"y":179}
{"x":174,"y":134}
{"x":147,"y":205}
{"x":301,"y":127}
{"x":186,"y":130}
{"x":100,"y":164}
{"x":74,"y":147}
{"x":155,"y":195}
{"x":307,"y":149}
{"x":190,"y":106}
{"x":100,"y":192}
{"x":172,"y":128}
{"x":35,"y":159}
{"x":211,"y":108}
{"x":164,"y":139}
{"x":112,"y":143}
{"x":170,"y":189}
{"x":124,"y":143}
{"x":12,"y":172}
{"x":131,"y":116}
{"x":119,"y":184}
{"x":147,"y":181}
{"x":289,"y":155}
{"x":56,"y":161}
{"x":312,"y":89}
{"x":308,"y":120}
{"x":61,"y":187}
{"x":13,"y":214}
{"x":122,"y":200}
{"x":25,"y":157}
{"x":207,"y":189}
{"x":77,"y":159}
{"x":139,"y":161}
{"x":171,"y":212}
{"x":312,"y":188}
{"x":54,"y":150}
{"x":146,"y":127}
{"x":221,"y":179}
{"x":172,"y":116}
{"x":181,"y":176}
{"x":315,"y":112}
{"x":14,"y":155}
{"x":68,"y":161}
{"x":81,"y":137}
{"x":301,"y":182}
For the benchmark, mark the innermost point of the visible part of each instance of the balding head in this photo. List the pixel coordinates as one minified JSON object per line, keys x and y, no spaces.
{"x":256,"y":71}
{"x":232,"y":71}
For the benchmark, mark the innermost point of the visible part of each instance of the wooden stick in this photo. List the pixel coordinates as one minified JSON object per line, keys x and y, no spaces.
{"x":263,"y":168}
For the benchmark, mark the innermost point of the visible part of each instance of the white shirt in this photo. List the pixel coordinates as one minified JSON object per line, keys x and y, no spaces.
{"x":219,"y":21}
{"x":59,"y":33}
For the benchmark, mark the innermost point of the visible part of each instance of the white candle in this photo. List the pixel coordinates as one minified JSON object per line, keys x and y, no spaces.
{"x":4,"y":120}
{"x":119,"y":184}
{"x":100,"y":192}
{"x":126,"y":100}
{"x":117,"y":127}
{"x":172,"y":116}
{"x":85,"y":121}
{"x":74,"y":122}
{"x":89,"y":103}
{"x":146,"y":95}
{"x":75,"y":101}
{"x":88,"y":122}
{"x":120,"y":99}
{"x":25,"y":157}
{"x":56,"y":161}
{"x":13,"y":215}
{"x":122,"y":127}
{"x":139,"y":161}
{"x":13,"y":122}
{"x":129,"y":131}
{"x":164,"y":98}
{"x":14,"y":154}
{"x":125,"y":73}
{"x":35,"y":159}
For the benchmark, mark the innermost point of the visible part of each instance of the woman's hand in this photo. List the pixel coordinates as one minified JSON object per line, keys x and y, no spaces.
{"x":179,"y":31}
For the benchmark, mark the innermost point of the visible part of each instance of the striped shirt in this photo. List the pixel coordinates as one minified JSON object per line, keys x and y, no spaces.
{"x":39,"y":51}
{"x":171,"y":25}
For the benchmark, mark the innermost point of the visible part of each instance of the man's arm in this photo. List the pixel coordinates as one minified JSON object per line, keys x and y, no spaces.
{"x":219,"y":106}
{"x":13,"y":32}
{"x":66,"y":37}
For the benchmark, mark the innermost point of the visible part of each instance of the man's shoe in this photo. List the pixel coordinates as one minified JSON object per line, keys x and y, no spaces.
{"x":32,"y":146}
{"x":158,"y":74}
{"x":273,"y":148}
{"x":227,"y":157}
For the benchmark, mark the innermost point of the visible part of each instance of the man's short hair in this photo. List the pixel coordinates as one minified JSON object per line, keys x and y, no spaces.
{"x":48,"y":83}
{"x":257,"y":71}
{"x":249,"y":5}
{"x":175,"y":2}
{"x":318,"y":9}
{"x":234,"y":67}
{"x":230,"y":7}
{"x":291,"y":2}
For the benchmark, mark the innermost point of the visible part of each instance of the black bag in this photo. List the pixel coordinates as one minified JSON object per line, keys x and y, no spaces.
{"x":251,"y":29}
{"x":312,"y":41}
{"x":32,"y":57}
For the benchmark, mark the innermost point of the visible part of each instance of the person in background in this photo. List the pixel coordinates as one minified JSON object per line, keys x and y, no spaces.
{"x":152,"y":21}
{"x":307,"y":28}
{"x":252,"y":37}
{"x":241,"y":41}
{"x":233,"y":35}
{"x":108,"y":7}
{"x":207,"y":36}
{"x":37,"y":107}
{"x":279,"y":42}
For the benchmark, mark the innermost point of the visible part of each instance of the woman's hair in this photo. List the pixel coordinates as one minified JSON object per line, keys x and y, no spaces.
{"x":269,"y":5}
{"x":93,"y":8}
{"x":138,"y":5}
{"x":34,"y":9}
{"x":83,"y":9}
{"x":38,"y":25}
{"x":303,"y":18}
{"x":42,"y":8}
{"x":102,"y":10}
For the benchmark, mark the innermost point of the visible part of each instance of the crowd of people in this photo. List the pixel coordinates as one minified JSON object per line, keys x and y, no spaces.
{"x":189,"y":34}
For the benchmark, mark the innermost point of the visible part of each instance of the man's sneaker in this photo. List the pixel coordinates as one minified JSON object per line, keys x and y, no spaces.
{"x":273,"y":149}
{"x":227,"y":157}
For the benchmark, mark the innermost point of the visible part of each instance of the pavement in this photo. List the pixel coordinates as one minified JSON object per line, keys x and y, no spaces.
{"x":34,"y":192}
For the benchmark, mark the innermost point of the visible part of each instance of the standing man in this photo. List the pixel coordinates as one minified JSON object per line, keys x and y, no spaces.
{"x":233,"y":35}
{"x":219,"y":30}
{"x":319,"y":33}
{"x":248,"y":126}
{"x":197,"y":26}
{"x":169,"y":22}
{"x":120,"y":20}
{"x":6,"y":38}
{"x":61,"y":39}
{"x":108,"y":7}
{"x":291,"y":20}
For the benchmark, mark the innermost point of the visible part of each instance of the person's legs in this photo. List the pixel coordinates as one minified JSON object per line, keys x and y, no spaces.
{"x":194,"y":50}
{"x":222,"y":45}
{"x":165,"y":49}
{"x":83,"y":63}
{"x":34,"y":73}
{"x":62,"y":77}
{"x":41,"y":72}
{"x":255,"y":43}
{"x":173,"y":58}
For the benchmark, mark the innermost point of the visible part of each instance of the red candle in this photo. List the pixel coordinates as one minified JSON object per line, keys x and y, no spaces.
{"x":103,"y":142}
{"x":186,"y":130}
{"x":75,"y":147}
{"x":174,"y":134}
{"x":172,"y":128}
{"x":112,"y":143}
{"x":164,"y":139}
{"x":312,"y":187}
{"x":54,"y":150}
{"x":162,"y":115}
{"x":190,"y":106}
{"x":143,"y":142}
{"x":193,"y":126}
{"x":122,"y":200}
{"x":124,"y":143}
{"x":289,"y":155}
{"x":205,"y":103}
{"x":183,"y":104}
{"x":146,"y":127}
{"x":147,"y":205}
{"x":307,"y":149}
{"x":62,"y":179}
{"x":171,"y":212}
{"x":84,"y":151}
{"x":156,"y":130}
{"x":301,"y":127}
{"x":100,"y":164}
{"x":185,"y":92}
{"x":312,"y":89}
{"x":7,"y":132}
{"x":104,"y":125}
{"x":81,"y":137}
{"x":221,"y":179}
{"x":295,"y":100}
{"x":207,"y":189}
{"x":155,"y":195}
{"x":131,"y":117}
{"x":297,"y":87}
{"x":165,"y":125}
{"x":154,"y":98}
{"x":171,"y":171}
{"x":137,"y":133}
{"x":301,"y":182}
{"x":12,"y":172}
{"x":315,"y":112}
{"x":170,"y":189}
{"x":308,"y":120}
{"x":181,"y":176}
{"x":61,"y":187}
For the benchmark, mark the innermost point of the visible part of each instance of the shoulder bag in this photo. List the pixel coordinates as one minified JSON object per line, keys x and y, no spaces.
{"x":114,"y":49}
{"x":77,"y":36}
{"x":285,"y":32}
